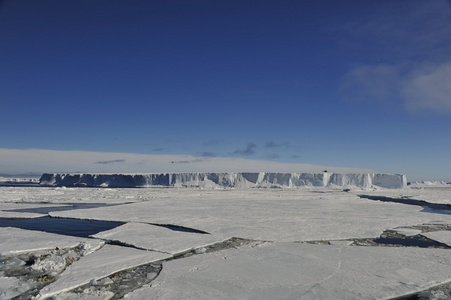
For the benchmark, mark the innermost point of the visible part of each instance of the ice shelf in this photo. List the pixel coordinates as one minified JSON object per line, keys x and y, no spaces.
{"x":232,"y":180}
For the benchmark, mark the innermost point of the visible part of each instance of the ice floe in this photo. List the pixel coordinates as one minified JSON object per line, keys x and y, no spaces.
{"x":16,"y":240}
{"x":300,"y":271}
{"x":330,"y":218}
{"x":274,"y":215}
{"x":405,"y":231}
{"x":443,"y":237}
{"x":157,"y":238}
{"x":109,"y":259}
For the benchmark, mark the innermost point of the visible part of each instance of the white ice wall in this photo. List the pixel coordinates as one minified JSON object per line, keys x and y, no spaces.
{"x":235,"y":180}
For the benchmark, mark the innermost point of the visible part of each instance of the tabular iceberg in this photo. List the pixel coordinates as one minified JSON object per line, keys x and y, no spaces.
{"x":232,"y":180}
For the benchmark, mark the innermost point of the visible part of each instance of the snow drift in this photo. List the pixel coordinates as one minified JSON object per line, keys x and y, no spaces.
{"x":232,"y":180}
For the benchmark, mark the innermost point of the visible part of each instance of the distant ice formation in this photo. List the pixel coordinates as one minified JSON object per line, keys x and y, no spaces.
{"x":427,"y":184}
{"x":231,"y":180}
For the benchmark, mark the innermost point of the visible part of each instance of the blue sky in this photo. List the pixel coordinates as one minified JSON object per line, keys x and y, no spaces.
{"x":360,"y":84}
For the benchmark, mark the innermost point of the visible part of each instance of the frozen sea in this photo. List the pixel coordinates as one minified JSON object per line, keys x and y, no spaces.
{"x":254,"y":243}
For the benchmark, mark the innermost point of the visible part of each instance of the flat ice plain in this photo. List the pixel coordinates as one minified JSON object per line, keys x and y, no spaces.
{"x":229,"y":243}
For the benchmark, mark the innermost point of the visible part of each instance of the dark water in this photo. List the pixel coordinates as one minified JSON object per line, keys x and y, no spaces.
{"x":68,"y":206}
{"x":72,"y":227}
{"x":19,"y":184}
{"x":427,"y":206}
{"x":408,"y":242}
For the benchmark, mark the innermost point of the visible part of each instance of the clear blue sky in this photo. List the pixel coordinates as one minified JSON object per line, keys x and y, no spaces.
{"x":363,"y":84}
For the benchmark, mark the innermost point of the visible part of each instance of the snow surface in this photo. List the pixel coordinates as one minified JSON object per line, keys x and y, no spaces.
{"x":157,"y":238}
{"x":239,"y":180}
{"x":16,"y":240}
{"x":333,"y":269}
{"x":443,"y":237}
{"x":300,"y":271}
{"x":265,"y":214}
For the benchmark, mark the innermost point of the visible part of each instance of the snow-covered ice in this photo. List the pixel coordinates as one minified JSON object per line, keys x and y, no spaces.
{"x":14,"y":240}
{"x":266,"y":214}
{"x":300,"y":271}
{"x":405,"y":231}
{"x":443,"y":237}
{"x":272,"y":259}
{"x":157,"y":238}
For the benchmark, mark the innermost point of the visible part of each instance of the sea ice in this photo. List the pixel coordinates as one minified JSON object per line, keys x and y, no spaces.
{"x":405,"y":231}
{"x":8,"y":286}
{"x":300,"y":271}
{"x":108,"y":260}
{"x":438,"y":195}
{"x":25,"y":210}
{"x":284,"y":269}
{"x":16,"y":240}
{"x":157,"y":238}
{"x":443,"y":237}
{"x":267,"y":214}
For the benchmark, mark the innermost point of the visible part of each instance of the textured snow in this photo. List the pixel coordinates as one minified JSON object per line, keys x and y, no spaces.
{"x":443,"y":237}
{"x":157,"y":238}
{"x":259,"y":270}
{"x":266,"y":214}
{"x":300,"y":271}
{"x":238,"y":180}
{"x":108,"y":260}
{"x":14,"y":240}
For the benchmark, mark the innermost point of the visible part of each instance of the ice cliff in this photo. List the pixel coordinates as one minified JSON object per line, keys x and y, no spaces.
{"x":233,"y":180}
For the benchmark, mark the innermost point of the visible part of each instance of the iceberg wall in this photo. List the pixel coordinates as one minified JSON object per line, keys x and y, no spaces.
{"x":232,"y":180}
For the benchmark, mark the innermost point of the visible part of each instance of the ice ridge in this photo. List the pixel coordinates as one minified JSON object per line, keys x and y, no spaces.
{"x":232,"y":180}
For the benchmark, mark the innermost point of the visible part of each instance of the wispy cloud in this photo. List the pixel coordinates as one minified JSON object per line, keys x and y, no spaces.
{"x":105,"y":162}
{"x":371,"y":83}
{"x":429,"y":88}
{"x":286,"y":145}
{"x":420,"y":87}
{"x":271,"y":144}
{"x":196,"y":160}
{"x":207,"y":154}
{"x":249,"y":150}
{"x":409,"y":30}
{"x":414,"y":56}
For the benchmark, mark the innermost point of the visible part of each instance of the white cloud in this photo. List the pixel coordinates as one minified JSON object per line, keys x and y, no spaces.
{"x":370,"y":83}
{"x":18,"y":161}
{"x":420,"y":86}
{"x":429,"y":88}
